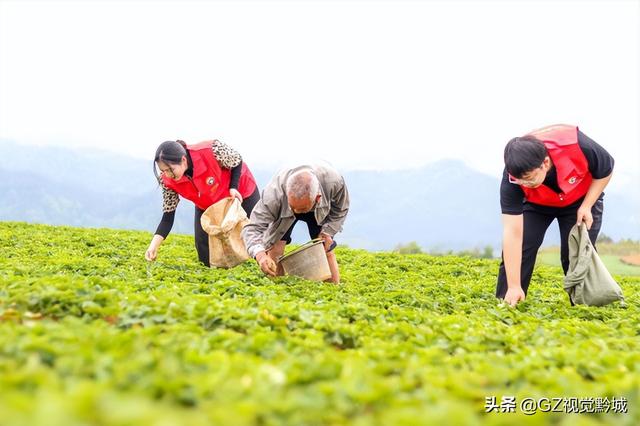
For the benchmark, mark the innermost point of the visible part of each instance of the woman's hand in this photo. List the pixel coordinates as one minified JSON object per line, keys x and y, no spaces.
{"x":235,"y":194}
{"x":152,"y":252}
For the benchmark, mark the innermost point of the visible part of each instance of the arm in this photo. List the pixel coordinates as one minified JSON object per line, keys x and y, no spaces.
{"x":261,"y":217}
{"x":596,"y":188}
{"x":601,"y":168}
{"x":252,"y":233}
{"x":512,"y":232}
{"x":235,"y":176}
{"x":170,"y":200}
{"x":511,"y":199}
{"x":229,"y":158}
{"x":339,"y":209}
{"x":166,"y":223}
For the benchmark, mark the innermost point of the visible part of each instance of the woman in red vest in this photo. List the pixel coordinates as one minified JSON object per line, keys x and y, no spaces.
{"x":203,"y":173}
{"x":552,"y":173}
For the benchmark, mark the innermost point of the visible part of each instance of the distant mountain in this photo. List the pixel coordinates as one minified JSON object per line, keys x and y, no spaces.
{"x":442,"y":206}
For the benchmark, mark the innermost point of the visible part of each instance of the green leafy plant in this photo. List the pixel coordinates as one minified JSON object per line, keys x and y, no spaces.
{"x":92,"y":334}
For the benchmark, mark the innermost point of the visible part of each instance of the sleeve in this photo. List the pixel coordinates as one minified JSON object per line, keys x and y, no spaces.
{"x":166,"y":223}
{"x":339,"y":209}
{"x":235,"y":176}
{"x":261,"y":217}
{"x":511,"y":196}
{"x":600,"y":161}
{"x":170,"y":198}
{"x":227,"y":157}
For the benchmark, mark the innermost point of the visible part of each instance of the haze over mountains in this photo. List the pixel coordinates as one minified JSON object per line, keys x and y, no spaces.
{"x":442,"y":206}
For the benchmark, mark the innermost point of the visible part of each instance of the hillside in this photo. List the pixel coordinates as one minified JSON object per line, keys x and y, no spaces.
{"x":91,"y":334}
{"x":444,"y":205}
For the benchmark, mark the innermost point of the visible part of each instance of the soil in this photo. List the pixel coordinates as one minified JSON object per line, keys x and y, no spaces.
{"x":632,"y":259}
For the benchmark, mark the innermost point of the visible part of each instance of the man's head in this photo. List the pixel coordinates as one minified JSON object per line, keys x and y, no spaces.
{"x":303,"y":191}
{"x":527,"y":160}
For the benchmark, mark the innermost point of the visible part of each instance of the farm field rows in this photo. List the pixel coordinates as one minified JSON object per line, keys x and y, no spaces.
{"x":92,"y":334}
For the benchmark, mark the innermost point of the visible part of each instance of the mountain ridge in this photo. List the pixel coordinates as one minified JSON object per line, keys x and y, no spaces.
{"x":444,"y":205}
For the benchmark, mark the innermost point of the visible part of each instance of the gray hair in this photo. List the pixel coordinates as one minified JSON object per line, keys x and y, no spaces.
{"x":303,"y":184}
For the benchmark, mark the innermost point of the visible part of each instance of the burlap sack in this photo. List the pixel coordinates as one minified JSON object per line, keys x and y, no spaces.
{"x":223,"y":221}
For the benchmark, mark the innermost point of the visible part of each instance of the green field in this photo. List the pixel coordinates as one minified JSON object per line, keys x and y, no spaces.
{"x":551,"y":256}
{"x":91,"y":335}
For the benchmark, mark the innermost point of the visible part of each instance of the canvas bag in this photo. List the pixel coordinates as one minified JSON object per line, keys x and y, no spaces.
{"x":588,"y":281}
{"x":223,"y":221}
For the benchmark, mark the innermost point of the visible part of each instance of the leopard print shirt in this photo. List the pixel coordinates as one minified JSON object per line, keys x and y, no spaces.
{"x":227,"y":157}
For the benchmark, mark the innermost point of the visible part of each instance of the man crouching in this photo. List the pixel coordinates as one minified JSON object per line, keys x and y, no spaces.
{"x":315,"y":194}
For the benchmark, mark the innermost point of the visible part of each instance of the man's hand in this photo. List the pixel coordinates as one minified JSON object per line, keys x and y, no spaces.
{"x":235,"y":194}
{"x":514,"y":295}
{"x":267,"y":264}
{"x":328,"y":240}
{"x":584,"y":215}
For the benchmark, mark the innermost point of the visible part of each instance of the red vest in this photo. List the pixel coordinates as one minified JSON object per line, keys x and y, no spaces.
{"x":571,"y":166}
{"x":210,"y":182}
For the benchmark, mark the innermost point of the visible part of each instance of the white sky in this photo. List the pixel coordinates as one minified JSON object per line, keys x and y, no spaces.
{"x":361,"y":84}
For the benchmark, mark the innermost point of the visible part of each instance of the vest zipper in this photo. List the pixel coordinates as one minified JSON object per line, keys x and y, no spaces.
{"x":194,"y":186}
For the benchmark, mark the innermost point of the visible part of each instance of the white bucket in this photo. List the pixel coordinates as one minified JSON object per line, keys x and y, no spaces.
{"x":308,"y":261}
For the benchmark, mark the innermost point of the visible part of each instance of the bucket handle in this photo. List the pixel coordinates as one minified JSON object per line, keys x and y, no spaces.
{"x":305,"y":245}
{"x":309,"y":243}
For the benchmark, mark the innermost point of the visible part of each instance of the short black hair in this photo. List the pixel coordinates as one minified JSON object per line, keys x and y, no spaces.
{"x":523,"y":154}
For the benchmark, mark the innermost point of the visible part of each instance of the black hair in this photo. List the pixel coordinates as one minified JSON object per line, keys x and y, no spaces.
{"x":523,"y":154}
{"x":169,"y":152}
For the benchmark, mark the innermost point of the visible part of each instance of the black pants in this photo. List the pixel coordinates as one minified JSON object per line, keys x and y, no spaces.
{"x":202,"y":238}
{"x":536,"y":221}
{"x":312,"y":224}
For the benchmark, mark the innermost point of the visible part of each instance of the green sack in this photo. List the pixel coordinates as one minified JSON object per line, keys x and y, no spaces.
{"x":588,"y":281}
